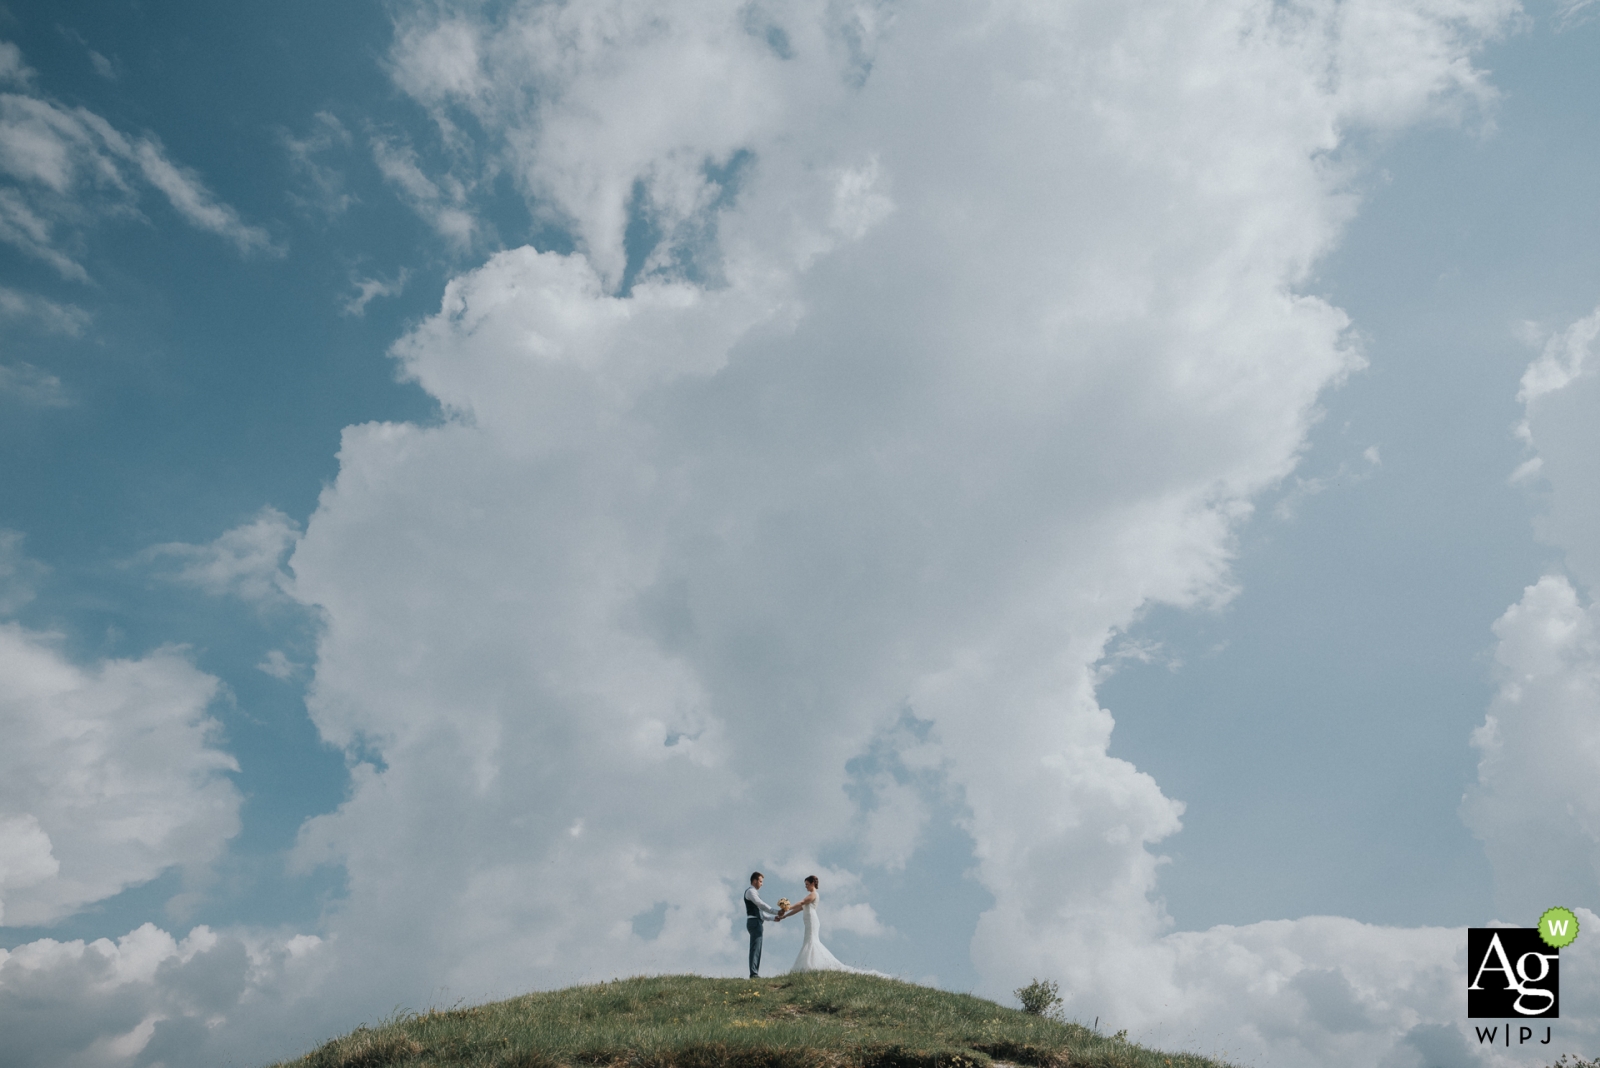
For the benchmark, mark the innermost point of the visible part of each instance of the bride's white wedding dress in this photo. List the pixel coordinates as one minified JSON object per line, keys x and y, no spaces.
{"x":814,"y":956}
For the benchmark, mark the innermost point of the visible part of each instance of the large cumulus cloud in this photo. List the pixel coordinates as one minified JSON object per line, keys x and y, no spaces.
{"x":954,"y":337}
{"x":151,"y":999}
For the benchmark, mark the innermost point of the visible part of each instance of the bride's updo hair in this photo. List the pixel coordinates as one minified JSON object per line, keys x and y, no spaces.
{"x":812,"y":881}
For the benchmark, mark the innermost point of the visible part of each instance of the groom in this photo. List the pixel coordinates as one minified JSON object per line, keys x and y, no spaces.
{"x":757,"y":909}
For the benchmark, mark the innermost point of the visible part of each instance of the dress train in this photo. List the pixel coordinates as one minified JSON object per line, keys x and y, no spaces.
{"x":814,"y":956}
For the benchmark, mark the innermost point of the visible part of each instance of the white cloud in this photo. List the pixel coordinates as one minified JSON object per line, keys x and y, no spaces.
{"x":442,"y":204}
{"x":245,"y":561}
{"x":68,"y":169}
{"x":440,"y":57}
{"x":1534,"y":804}
{"x":23,"y":381}
{"x":13,"y":71}
{"x":858,"y":202}
{"x":185,"y":191}
{"x":27,"y":857}
{"x":30,"y":385}
{"x":858,"y":918}
{"x":1121,"y":649}
{"x":149,"y":998}
{"x":894,"y":824}
{"x":1564,"y":359}
{"x":109,"y":776}
{"x":277,"y":665}
{"x":368,"y":289}
{"x":1561,"y":396}
{"x":324,"y":183}
{"x":20,"y":575}
{"x":1346,"y":474}
{"x":1571,"y":13}
{"x":1322,"y":990}
{"x":47,"y":315}
{"x":102,"y":66}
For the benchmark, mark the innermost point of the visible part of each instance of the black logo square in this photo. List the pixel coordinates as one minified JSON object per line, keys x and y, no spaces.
{"x":1511,"y":973}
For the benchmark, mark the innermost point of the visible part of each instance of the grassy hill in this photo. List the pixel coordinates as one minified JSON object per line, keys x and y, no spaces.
{"x":815,"y":1020}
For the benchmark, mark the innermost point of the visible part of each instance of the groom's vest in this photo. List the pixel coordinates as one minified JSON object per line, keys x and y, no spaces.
{"x":750,"y":907}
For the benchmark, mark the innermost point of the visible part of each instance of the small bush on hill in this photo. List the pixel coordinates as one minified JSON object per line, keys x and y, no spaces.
{"x":1039,"y":998}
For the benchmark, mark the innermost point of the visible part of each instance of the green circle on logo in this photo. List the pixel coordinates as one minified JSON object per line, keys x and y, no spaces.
{"x":1558,"y":927}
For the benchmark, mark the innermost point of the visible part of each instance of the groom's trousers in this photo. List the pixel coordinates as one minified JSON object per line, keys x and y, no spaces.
{"x":753,"y":925}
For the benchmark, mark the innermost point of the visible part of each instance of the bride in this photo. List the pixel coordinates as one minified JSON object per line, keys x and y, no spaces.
{"x":814,"y":956}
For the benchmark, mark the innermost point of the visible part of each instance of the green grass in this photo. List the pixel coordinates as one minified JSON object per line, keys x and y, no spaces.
{"x":816,"y":1020}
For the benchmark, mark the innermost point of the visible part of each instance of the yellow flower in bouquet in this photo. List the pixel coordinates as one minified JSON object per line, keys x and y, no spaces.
{"x":783,"y":904}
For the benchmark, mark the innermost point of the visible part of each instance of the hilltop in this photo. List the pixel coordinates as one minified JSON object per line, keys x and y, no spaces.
{"x":814,"y":1020}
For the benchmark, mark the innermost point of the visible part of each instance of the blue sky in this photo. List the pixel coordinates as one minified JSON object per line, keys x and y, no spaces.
{"x":206,"y":384}
{"x":1358,"y":638}
{"x":838,"y":417}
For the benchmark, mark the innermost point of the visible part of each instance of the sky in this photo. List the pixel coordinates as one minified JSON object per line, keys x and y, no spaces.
{"x":1110,"y":488}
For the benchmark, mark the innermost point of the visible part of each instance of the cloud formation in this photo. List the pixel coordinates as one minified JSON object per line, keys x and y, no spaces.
{"x":20,"y":575}
{"x":148,"y":998}
{"x":940,"y":346}
{"x":369,"y":289}
{"x":49,"y":316}
{"x":64,"y":170}
{"x":110,"y":775}
{"x":441,"y":202}
{"x":246,"y":561}
{"x":22,"y":381}
{"x":324,"y":184}
{"x":1572,"y":13}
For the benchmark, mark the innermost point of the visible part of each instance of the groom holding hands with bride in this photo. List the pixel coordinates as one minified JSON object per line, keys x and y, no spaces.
{"x":814,"y":956}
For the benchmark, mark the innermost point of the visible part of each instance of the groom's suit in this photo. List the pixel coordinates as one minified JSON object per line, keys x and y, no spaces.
{"x":756,"y":910}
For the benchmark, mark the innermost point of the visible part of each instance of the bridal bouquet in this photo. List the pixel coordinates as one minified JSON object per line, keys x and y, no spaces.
{"x":783,"y":904}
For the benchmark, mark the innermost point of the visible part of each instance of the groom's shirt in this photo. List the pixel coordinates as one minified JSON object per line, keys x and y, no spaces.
{"x":756,"y":907}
